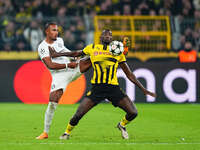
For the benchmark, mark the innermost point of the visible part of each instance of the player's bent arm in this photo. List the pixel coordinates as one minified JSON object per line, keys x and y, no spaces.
{"x":56,"y":66}
{"x":54,"y":54}
{"x":133,"y":78}
{"x":69,"y":54}
{"x":85,"y":64}
{"x":130,"y":75}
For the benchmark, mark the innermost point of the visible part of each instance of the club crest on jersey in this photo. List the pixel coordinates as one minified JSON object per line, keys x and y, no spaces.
{"x":60,"y":45}
{"x":95,"y":53}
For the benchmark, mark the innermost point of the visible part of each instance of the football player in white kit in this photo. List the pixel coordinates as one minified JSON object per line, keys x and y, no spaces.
{"x":62,"y":71}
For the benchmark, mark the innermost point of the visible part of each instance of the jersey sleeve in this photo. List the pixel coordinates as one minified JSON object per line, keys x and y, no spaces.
{"x":43,"y":51}
{"x":87,"y":50}
{"x":122,"y":58}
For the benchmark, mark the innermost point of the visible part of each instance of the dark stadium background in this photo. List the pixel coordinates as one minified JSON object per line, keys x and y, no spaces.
{"x":158,"y":68}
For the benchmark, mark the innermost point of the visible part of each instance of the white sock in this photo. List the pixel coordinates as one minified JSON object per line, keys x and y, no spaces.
{"x":49,"y":116}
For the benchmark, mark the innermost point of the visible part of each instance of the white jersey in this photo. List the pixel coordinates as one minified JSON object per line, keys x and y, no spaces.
{"x":58,"y":45}
{"x":62,"y":77}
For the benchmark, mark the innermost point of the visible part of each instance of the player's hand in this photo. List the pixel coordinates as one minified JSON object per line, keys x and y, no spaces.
{"x":73,"y":59}
{"x":52,"y":52}
{"x":72,"y":65}
{"x":146,"y":92}
{"x":126,"y":43}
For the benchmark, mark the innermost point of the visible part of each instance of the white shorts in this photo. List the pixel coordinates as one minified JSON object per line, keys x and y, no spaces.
{"x":60,"y":79}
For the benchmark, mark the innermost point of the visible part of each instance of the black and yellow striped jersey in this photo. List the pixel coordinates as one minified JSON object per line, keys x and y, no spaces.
{"x":104,"y":64}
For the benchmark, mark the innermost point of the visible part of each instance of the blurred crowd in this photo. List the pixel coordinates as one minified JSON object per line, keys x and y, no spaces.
{"x":22,"y":21}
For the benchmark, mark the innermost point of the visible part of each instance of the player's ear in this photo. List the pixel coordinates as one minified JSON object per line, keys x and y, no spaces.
{"x":46,"y":31}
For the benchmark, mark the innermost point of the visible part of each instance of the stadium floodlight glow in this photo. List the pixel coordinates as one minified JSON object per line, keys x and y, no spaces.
{"x":189,"y":76}
{"x":139,"y":73}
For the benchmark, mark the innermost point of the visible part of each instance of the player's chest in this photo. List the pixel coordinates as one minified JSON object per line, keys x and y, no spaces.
{"x":106,"y":60}
{"x":58,"y":47}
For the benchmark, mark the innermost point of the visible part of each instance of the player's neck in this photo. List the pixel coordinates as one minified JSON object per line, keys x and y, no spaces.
{"x":104,"y":46}
{"x":49,"y":41}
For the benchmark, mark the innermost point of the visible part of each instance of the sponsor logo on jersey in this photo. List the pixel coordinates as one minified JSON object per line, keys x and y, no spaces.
{"x":101,"y":53}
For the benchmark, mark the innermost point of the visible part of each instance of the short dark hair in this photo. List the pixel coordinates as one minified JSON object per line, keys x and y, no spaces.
{"x":106,"y":30}
{"x":48,"y":24}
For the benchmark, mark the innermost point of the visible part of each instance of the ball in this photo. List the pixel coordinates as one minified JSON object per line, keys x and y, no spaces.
{"x":116,"y":48}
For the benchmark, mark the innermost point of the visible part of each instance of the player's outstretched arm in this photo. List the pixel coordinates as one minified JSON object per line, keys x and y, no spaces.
{"x":133,"y":79}
{"x":55,"y":66}
{"x":54,"y":54}
{"x":85,"y":64}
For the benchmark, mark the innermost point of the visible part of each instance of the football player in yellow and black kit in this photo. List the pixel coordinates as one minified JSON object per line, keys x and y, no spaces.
{"x":105,"y":83}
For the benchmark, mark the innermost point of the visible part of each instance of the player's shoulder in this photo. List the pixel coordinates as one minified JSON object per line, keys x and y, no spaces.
{"x":97,"y":46}
{"x":90,"y":45}
{"x":59,"y":39}
{"x":87,"y":47}
{"x":42,"y":44}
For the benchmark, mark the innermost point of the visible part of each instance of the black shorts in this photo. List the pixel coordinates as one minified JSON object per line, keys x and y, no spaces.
{"x":100,"y":92}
